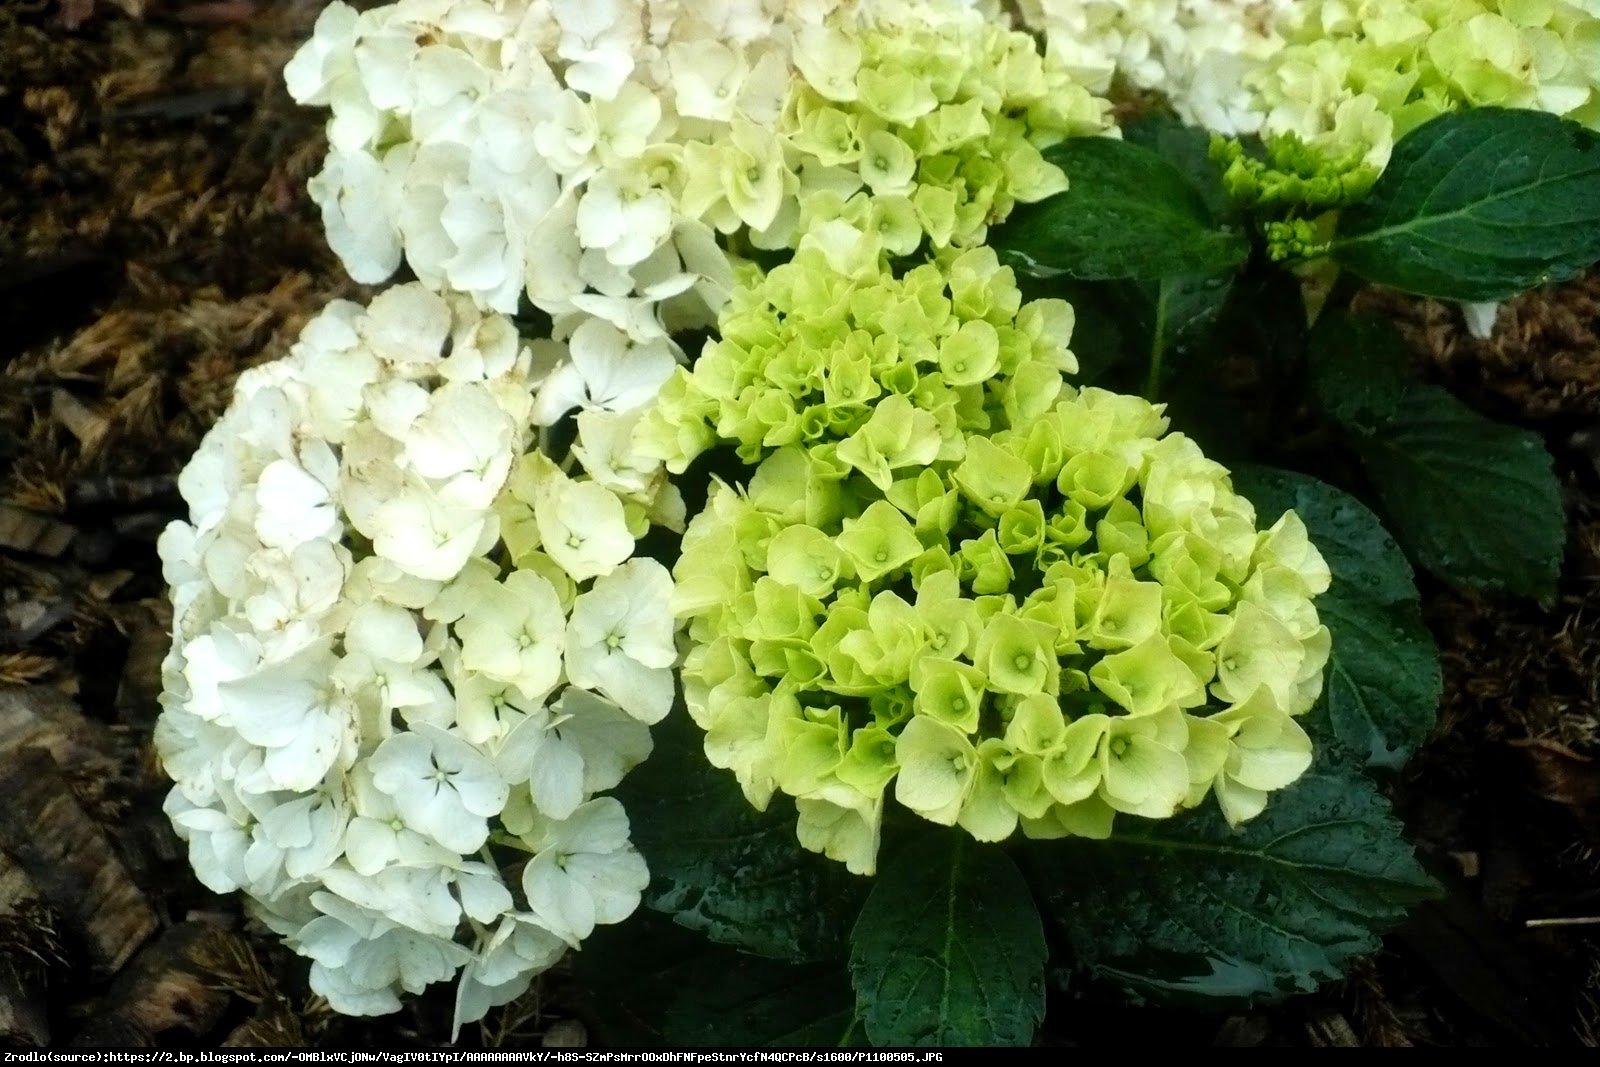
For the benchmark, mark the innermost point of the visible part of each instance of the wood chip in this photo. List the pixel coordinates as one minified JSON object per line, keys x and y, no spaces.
{"x":94,"y":492}
{"x":274,"y":1026}
{"x":148,"y":625}
{"x":36,"y":717}
{"x":82,"y":421}
{"x":218,"y":12}
{"x":24,"y":621}
{"x":1242,"y":1031}
{"x":68,"y":856}
{"x":105,"y":586}
{"x":22,"y":1009}
{"x":1329,"y":1029}
{"x":168,"y":986}
{"x":183,"y":106}
{"x":28,"y":531}
{"x":74,"y":13}
{"x":1562,"y":775}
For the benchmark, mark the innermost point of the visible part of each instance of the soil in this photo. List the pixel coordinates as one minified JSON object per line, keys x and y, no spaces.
{"x":155,"y":239}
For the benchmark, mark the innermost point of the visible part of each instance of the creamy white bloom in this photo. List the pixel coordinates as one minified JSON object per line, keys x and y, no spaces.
{"x":582,"y":525}
{"x":581,"y":745}
{"x":499,"y":145}
{"x":515,"y":634}
{"x":620,"y":639}
{"x":363,"y":959}
{"x":297,"y":839}
{"x":367,"y":670}
{"x":1195,"y":52}
{"x":586,"y":872}
{"x":441,"y":786}
{"x":294,"y":716}
{"x":417,"y":898}
{"x":378,"y":836}
{"x":520,"y":948}
{"x":218,"y":838}
{"x":606,"y":371}
{"x":361,"y":200}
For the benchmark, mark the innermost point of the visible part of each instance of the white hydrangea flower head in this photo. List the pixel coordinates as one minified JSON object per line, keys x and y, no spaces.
{"x":533,"y":146}
{"x":408,"y":653}
{"x":1194,"y":52}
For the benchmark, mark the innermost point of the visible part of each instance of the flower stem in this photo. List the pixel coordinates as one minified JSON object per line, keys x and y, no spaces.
{"x":1158,"y":345}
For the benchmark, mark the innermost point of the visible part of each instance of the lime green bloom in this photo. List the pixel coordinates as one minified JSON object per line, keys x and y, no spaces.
{"x":880,"y":542}
{"x":949,"y":691}
{"x":1265,"y":749}
{"x":876,"y":375}
{"x":911,"y":130}
{"x":1356,"y":75}
{"x":999,"y":614}
{"x":895,"y":436}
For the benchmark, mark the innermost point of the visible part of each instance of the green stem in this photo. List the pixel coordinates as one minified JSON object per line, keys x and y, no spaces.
{"x":501,"y":837}
{"x":1158,"y":345}
{"x":1342,"y":293}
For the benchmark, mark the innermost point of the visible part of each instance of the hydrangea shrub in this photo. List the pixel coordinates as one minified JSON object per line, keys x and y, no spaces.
{"x":961,"y":616}
{"x":409,"y":654}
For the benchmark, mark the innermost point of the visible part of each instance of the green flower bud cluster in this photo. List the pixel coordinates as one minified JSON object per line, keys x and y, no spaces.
{"x":1359,"y":74}
{"x":1299,"y":238}
{"x":1013,"y":603}
{"x":1292,"y":173}
{"x":909,"y":130}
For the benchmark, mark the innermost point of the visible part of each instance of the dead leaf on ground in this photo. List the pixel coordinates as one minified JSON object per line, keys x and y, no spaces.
{"x":1562,"y":775}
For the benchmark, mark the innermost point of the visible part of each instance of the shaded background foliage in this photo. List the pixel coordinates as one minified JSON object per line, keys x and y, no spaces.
{"x":155,"y":239}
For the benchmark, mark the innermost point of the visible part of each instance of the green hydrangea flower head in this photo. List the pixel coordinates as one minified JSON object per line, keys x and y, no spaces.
{"x":922,"y":124}
{"x":1003,"y":601}
{"x":1357,"y":75}
{"x":875,"y":374}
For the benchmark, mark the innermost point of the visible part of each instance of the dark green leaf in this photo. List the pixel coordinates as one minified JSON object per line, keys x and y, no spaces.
{"x":1383,"y":684}
{"x":1480,"y":204}
{"x":1184,"y":309}
{"x":1192,"y":305}
{"x":1268,"y":315}
{"x":724,"y":868}
{"x":949,"y":949}
{"x":1220,"y":422}
{"x":1189,"y":149}
{"x":1360,"y":366}
{"x":648,"y":982}
{"x":1474,"y":501}
{"x":1257,"y":346}
{"x":1190,"y":908}
{"x":1127,"y":213}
